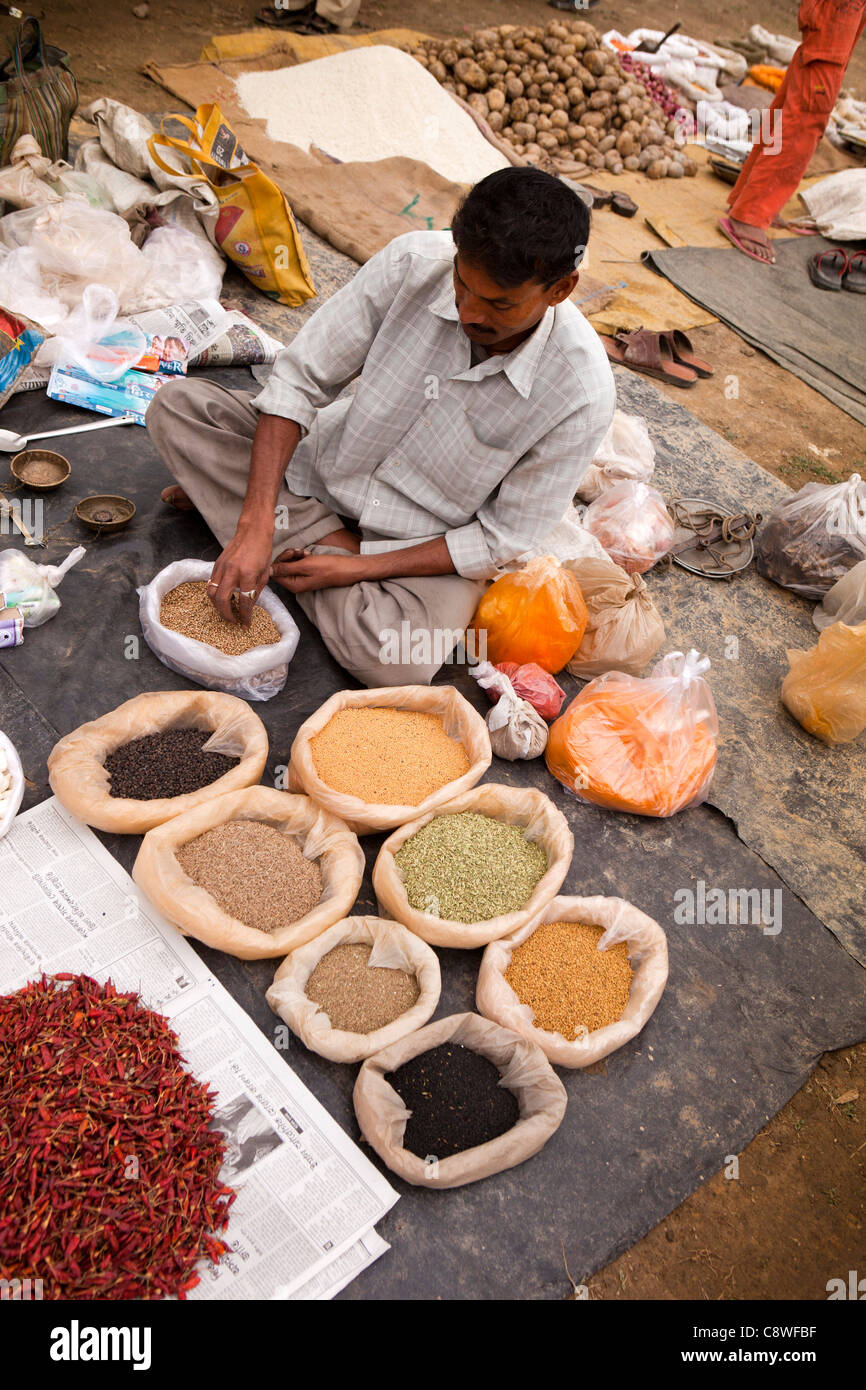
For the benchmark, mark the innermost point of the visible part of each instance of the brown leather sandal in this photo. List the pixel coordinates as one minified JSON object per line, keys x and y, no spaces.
{"x":683,"y":352}
{"x":650,"y":353}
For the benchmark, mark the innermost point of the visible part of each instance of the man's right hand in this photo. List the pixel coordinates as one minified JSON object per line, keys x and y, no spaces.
{"x":245,"y":567}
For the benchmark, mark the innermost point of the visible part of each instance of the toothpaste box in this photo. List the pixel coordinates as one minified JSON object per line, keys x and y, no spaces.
{"x":131,"y":394}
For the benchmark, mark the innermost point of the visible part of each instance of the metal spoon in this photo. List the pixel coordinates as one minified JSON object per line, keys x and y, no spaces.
{"x":10,"y":442}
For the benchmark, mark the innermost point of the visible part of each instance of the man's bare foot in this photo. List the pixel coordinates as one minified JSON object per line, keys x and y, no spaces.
{"x":754,"y":239}
{"x":176,"y":497}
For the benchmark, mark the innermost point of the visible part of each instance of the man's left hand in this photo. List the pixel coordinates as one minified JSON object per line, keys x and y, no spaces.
{"x":308,"y":572}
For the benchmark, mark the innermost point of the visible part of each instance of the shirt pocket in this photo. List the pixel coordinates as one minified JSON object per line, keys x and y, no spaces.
{"x":442,"y":465}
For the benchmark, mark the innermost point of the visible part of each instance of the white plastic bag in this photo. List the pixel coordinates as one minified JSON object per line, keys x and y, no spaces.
{"x":394,"y":947}
{"x":648,"y":957}
{"x":845,"y":602}
{"x":30,"y":588}
{"x":569,"y":540}
{"x":21,"y":181}
{"x":812,"y":538}
{"x":95,"y":339}
{"x":180,"y":266}
{"x":633,"y":524}
{"x":624,"y":629}
{"x":625,"y":452}
{"x":256,"y":675}
{"x":838,"y":205}
{"x":11,"y":783}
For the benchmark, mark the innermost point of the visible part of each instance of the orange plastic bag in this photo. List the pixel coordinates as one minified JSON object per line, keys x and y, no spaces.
{"x":534,"y":614}
{"x":825,"y":689}
{"x":645,"y":746}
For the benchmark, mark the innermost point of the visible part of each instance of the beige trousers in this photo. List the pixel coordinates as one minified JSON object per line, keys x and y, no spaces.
{"x":393,"y":632}
{"x":343,"y":13}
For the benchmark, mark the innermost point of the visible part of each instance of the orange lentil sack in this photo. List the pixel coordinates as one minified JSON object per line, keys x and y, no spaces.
{"x":536,"y":614}
{"x":645,"y":746}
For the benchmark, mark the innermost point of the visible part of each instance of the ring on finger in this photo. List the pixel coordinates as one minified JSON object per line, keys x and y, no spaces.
{"x":247,"y":593}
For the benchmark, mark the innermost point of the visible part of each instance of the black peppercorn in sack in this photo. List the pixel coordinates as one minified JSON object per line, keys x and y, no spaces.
{"x":255,"y":873}
{"x":480,"y":867}
{"x":355,"y":757}
{"x":394,"y":952}
{"x":256,"y":672}
{"x":523,"y":1070}
{"x":232,"y":754}
{"x":812,"y":538}
{"x":571,"y":983}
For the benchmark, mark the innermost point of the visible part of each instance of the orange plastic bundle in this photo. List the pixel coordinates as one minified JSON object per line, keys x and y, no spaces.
{"x":535,"y":614}
{"x":765,"y":75}
{"x":644,"y":746}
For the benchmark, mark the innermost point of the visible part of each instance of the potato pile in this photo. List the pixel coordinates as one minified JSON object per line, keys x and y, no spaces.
{"x":559,"y":98}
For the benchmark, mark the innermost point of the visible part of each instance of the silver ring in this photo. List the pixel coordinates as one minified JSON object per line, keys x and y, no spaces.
{"x":212,"y":585}
{"x":247,"y":593}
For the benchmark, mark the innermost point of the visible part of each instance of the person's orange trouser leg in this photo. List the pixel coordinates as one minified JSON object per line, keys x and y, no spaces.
{"x":796,"y":122}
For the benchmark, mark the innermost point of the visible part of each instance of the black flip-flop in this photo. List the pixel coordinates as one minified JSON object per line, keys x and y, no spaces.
{"x":304,"y":21}
{"x":854,"y":276}
{"x":828,"y":267}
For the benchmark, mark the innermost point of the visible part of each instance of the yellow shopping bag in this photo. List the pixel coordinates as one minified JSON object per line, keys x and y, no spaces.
{"x":255,"y":228}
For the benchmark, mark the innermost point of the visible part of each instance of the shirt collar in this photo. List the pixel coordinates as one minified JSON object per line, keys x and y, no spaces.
{"x":520,"y":365}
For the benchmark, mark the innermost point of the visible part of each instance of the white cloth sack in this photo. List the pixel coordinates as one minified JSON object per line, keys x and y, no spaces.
{"x":256,"y":675}
{"x":838,"y":205}
{"x":524,"y":1069}
{"x":625,"y":452}
{"x":648,"y":957}
{"x":11,"y":783}
{"x":393,"y":948}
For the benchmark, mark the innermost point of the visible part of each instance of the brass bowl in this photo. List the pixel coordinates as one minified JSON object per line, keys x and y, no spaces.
{"x":40,"y":469}
{"x":105,"y":512}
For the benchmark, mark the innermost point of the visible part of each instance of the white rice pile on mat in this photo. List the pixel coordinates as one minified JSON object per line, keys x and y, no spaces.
{"x":370,"y":103}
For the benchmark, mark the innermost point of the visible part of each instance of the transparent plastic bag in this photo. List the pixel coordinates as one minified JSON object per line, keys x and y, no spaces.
{"x":648,"y":957}
{"x":459,"y":720}
{"x":393,"y":947}
{"x":180,"y":267}
{"x":825,"y":689}
{"x":95,"y":339}
{"x":812,"y":538}
{"x":524,"y":1070}
{"x":76,"y":764}
{"x":633,"y":524}
{"x":193,"y":911}
{"x":845,"y":602}
{"x":30,"y":587}
{"x":643,"y":746}
{"x":542,"y":823}
{"x":624,"y":630}
{"x":529,"y":682}
{"x":534,"y":614}
{"x":626,"y":452}
{"x":11,"y":784}
{"x":255,"y":675}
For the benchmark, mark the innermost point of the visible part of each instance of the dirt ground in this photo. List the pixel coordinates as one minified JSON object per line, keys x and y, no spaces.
{"x":794,"y":1216}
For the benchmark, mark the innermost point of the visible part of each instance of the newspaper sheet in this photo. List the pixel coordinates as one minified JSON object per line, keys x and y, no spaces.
{"x":307,"y":1196}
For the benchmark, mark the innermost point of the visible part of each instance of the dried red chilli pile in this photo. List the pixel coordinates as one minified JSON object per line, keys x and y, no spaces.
{"x":109,"y":1172}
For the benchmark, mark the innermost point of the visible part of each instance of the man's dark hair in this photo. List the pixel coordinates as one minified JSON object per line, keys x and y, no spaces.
{"x":521,"y":224}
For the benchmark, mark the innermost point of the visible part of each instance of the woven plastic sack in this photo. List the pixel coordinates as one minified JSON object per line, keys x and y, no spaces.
{"x":256,"y":675}
{"x":633,"y":524}
{"x":625,"y":452}
{"x":543,"y":823}
{"x":191,"y":908}
{"x":624,"y":630}
{"x":845,"y":602}
{"x":20,"y":340}
{"x":524,"y":1069}
{"x":534,"y":614}
{"x":644,"y":746}
{"x":11,"y":784}
{"x":393,"y":947}
{"x":76,"y":764}
{"x":825,"y":689}
{"x":460,"y":721}
{"x":648,"y":956}
{"x":812,"y":538}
